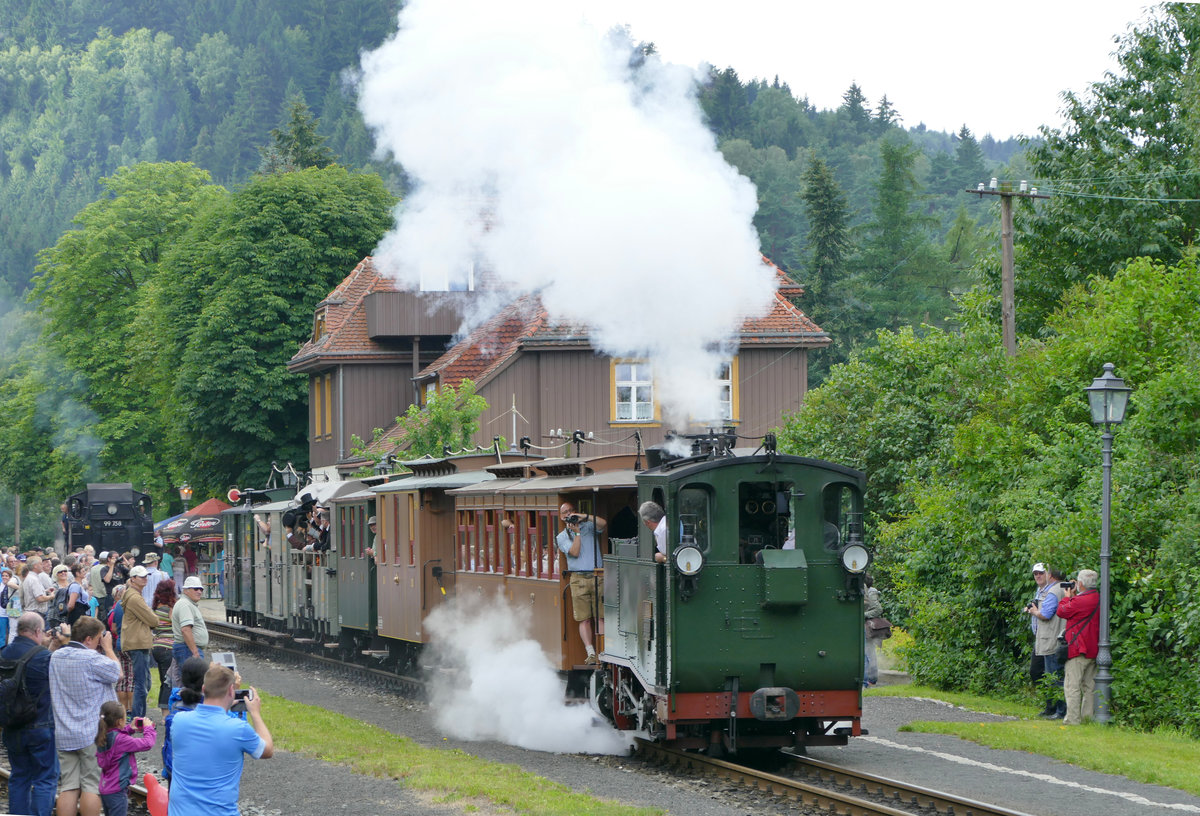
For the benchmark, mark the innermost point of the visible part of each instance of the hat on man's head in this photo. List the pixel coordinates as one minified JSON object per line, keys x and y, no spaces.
{"x":1039,"y":567}
{"x":370,"y":521}
{"x":104,"y":555}
{"x":21,"y":557}
{"x":59,"y":569}
{"x":193,"y":583}
{"x":151,"y":558}
{"x":139,"y":572}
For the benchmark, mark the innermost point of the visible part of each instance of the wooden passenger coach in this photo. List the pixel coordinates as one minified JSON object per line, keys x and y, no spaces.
{"x":415,"y":557}
{"x":506,"y":534}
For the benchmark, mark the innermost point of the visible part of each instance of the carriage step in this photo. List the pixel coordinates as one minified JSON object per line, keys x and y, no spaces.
{"x":375,"y":652}
{"x":333,"y":645}
{"x":303,"y":640}
{"x":268,"y":633}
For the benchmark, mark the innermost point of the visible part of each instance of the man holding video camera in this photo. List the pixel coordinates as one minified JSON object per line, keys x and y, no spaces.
{"x":208,"y":746}
{"x":580,"y":542}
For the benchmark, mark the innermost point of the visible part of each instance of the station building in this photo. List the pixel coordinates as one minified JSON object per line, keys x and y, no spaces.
{"x":377,"y":348}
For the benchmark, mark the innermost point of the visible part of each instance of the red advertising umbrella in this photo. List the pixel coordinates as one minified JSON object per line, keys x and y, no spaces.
{"x":201,"y":523}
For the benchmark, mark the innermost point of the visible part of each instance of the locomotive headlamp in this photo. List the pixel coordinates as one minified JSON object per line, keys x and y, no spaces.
{"x":112,"y":508}
{"x":688,"y":560}
{"x":855,"y":557}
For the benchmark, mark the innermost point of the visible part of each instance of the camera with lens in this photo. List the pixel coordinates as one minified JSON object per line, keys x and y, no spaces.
{"x":574,"y":518}
{"x":1067,"y":584}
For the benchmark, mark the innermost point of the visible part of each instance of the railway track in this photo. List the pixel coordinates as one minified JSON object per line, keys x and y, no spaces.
{"x":840,"y":791}
{"x":831,"y":789}
{"x":276,"y":646}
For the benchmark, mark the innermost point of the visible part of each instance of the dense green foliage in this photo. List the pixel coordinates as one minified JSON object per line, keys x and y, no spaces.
{"x":447,"y":421}
{"x":981,"y":464}
{"x":88,"y":87}
{"x":166,"y":319}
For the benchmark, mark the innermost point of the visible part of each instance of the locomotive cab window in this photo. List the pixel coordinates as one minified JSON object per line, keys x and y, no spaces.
{"x":841,"y":507}
{"x":694,"y":523}
{"x":764,"y":514}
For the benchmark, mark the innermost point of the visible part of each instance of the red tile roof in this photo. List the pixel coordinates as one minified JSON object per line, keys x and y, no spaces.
{"x":345,"y":334}
{"x":526,"y":323}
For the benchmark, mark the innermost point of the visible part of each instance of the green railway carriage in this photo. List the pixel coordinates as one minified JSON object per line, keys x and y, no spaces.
{"x":751,"y":634}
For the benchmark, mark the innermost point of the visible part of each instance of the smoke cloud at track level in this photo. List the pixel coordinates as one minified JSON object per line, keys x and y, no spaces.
{"x":488,"y":680}
{"x":542,"y":150}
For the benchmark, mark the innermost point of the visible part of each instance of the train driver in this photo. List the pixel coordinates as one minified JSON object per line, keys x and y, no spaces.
{"x":656,"y":520}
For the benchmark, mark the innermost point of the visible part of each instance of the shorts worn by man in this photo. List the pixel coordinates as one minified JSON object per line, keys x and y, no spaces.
{"x":189,"y":632}
{"x":81,"y":680}
{"x":208,"y":746}
{"x":580,"y":542}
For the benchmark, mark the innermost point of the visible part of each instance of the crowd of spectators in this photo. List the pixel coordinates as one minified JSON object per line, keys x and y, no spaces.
{"x":92,"y":627}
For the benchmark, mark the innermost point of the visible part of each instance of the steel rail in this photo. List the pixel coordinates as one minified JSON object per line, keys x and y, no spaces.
{"x":903,"y":800}
{"x":270,"y":646}
{"x":893,"y":789}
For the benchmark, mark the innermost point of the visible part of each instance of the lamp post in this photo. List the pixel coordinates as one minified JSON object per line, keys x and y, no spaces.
{"x":1107,"y":398}
{"x":185,"y":494}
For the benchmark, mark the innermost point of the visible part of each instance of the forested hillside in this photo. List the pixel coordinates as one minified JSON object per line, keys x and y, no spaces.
{"x":188,"y":142}
{"x":87,"y":87}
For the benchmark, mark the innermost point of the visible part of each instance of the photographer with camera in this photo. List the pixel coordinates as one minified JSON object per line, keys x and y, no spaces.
{"x":83,"y":674}
{"x":1079,"y":608}
{"x":1046,"y":629}
{"x":208,"y":746}
{"x":580,"y":542}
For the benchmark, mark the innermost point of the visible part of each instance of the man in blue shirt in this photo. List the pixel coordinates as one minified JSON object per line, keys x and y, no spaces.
{"x":580,"y":542}
{"x":208,"y":746}
{"x":34,"y":781}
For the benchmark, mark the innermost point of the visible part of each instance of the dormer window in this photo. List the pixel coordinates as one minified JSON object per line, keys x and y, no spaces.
{"x":319,"y":324}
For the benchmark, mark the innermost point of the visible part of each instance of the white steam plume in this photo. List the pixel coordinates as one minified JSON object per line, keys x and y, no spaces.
{"x":491,"y":681}
{"x":537,"y":151}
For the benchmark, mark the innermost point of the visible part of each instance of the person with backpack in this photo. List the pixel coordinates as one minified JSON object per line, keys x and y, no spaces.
{"x":31,"y":749}
{"x":57,"y":610}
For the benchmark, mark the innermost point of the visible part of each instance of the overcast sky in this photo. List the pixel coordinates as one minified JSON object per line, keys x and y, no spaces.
{"x":998,"y":67}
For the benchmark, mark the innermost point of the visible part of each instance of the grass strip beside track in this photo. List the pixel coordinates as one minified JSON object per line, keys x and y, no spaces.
{"x":1164,"y":757}
{"x":450,"y":775}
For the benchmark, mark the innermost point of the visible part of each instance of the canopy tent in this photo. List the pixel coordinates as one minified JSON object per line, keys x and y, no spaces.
{"x":202,"y":523}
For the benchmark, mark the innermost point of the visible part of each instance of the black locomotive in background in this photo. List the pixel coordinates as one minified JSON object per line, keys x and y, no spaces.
{"x":111,"y":517}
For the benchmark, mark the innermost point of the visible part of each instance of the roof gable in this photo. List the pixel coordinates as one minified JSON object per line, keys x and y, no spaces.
{"x":345,"y":331}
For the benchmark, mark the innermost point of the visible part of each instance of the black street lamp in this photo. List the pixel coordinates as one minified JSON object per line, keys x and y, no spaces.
{"x":185,"y":495}
{"x":1107,"y":397}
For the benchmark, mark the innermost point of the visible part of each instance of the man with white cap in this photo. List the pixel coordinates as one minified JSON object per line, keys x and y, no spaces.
{"x":1046,"y":628}
{"x":153,"y":576}
{"x":137,"y":637}
{"x":188,"y":630}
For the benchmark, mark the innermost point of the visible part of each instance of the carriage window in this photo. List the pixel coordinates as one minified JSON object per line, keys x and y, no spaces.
{"x":343,"y":531}
{"x":694,"y":516}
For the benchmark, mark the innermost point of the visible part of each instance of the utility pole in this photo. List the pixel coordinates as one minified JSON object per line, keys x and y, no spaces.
{"x":1008,"y":306}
